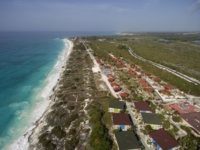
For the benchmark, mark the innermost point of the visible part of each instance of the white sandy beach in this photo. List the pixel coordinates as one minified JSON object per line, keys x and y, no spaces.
{"x":22,"y":143}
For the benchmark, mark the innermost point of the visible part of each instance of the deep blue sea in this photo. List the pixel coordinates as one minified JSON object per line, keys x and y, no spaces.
{"x":27,"y":61}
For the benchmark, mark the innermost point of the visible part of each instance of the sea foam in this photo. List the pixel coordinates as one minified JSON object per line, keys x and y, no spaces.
{"x":22,"y":142}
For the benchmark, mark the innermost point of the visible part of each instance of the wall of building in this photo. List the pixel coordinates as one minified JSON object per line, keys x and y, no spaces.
{"x":126,"y":127}
{"x":115,"y":110}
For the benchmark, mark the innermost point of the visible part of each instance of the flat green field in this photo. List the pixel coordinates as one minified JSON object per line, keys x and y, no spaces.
{"x":183,"y":56}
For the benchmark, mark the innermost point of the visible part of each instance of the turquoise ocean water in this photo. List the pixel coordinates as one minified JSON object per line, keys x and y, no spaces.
{"x":27,"y":60}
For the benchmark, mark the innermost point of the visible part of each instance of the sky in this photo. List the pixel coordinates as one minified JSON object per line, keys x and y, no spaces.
{"x":101,"y":15}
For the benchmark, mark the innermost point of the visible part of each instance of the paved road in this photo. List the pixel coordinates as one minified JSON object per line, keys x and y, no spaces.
{"x":183,"y":76}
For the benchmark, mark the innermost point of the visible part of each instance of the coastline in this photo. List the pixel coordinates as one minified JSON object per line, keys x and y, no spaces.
{"x":48,"y":94}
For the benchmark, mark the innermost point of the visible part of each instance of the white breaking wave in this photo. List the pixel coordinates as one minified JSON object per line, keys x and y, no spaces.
{"x":22,"y":142}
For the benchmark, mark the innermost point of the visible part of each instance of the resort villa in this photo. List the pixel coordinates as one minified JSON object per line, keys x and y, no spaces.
{"x":121,"y":121}
{"x":142,"y":107}
{"x":152,"y":120}
{"x":116,"y":106}
{"x":127,"y":140}
{"x":192,"y":120}
{"x":161,"y":140}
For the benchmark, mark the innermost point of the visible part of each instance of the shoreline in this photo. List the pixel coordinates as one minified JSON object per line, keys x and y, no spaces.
{"x":24,"y":141}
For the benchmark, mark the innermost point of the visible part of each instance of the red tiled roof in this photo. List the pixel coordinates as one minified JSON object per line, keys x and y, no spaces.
{"x":163,"y":139}
{"x":157,"y":79}
{"x":166,"y":92}
{"x":107,"y":67}
{"x":147,"y":73}
{"x":149,"y":90}
{"x":111,"y":79}
{"x":183,"y":108}
{"x":142,"y":106}
{"x":168,"y":87}
{"x":121,"y":119}
{"x":193,"y":119}
{"x":143,"y":81}
{"x":144,"y":84}
{"x":117,"y":88}
{"x":137,"y":69}
{"x":124,"y":94}
{"x":114,"y":84}
{"x":131,"y":72}
{"x":132,"y":65}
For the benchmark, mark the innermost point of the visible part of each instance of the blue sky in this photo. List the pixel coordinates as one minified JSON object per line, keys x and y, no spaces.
{"x":104,"y":15}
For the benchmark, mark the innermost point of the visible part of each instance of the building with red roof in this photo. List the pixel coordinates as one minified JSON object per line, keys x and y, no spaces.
{"x":110,"y":79}
{"x":147,"y":73}
{"x":109,"y":75}
{"x":116,"y":88}
{"x":142,"y":81}
{"x":137,"y":69}
{"x":193,"y":120}
{"x":121,"y":121}
{"x":160,"y":139}
{"x":168,"y":87}
{"x":183,"y":108}
{"x":131,"y":72}
{"x":157,"y":79}
{"x":165,"y":92}
{"x":144,"y":84}
{"x":138,"y":76}
{"x":132,"y":65}
{"x":114,"y":84}
{"x":107,"y":67}
{"x":148,"y":89}
{"x":142,"y":107}
{"x":99,"y":61}
{"x":124,"y":95}
{"x":119,"y":63}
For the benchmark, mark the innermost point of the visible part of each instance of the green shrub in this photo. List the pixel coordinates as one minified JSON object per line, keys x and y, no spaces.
{"x":71,"y":144}
{"x":176,"y":119}
{"x":99,"y":138}
{"x":72,"y":131}
{"x":166,"y":124}
{"x":48,"y":145}
{"x":42,"y":137}
{"x":70,"y":107}
{"x":57,"y":131}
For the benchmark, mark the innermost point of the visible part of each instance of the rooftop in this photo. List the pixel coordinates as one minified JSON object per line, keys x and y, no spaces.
{"x":168,"y":87}
{"x":124,"y":95}
{"x":150,"y":118}
{"x":151,"y":90}
{"x":121,"y":119}
{"x":117,"y":88}
{"x":183,"y":108}
{"x":193,"y":119}
{"x":163,"y":139}
{"x":142,"y":106}
{"x":157,"y":79}
{"x":147,"y":73}
{"x":166,"y":92}
{"x":142,"y":81}
{"x":116,"y":104}
{"x":114,"y":84}
{"x":127,"y":140}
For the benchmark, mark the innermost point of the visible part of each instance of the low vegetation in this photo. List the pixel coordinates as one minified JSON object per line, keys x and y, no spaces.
{"x":151,"y":49}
